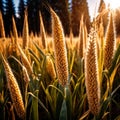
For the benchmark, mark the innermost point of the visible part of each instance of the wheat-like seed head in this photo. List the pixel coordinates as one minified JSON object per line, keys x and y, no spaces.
{"x":14,"y":90}
{"x":25,"y":34}
{"x":91,"y":75}
{"x":71,"y":36}
{"x":50,"y":67}
{"x":25,"y":61}
{"x":59,"y":49}
{"x":85,"y":39}
{"x":71,"y":39}
{"x":101,"y":36}
{"x":50,"y":45}
{"x":13,"y":44}
{"x":1,"y":47}
{"x":81,"y":38}
{"x":42,"y":30}
{"x":2,"y":31}
{"x":15,"y":34}
{"x":110,"y":44}
{"x":101,"y":30}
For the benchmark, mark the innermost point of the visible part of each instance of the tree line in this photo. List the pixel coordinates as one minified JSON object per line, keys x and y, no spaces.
{"x":70,"y":13}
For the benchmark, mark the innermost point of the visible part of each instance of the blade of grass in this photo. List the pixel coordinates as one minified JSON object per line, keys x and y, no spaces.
{"x":34,"y":55}
{"x":68,"y":99}
{"x":63,"y":112}
{"x":84,"y":115}
{"x":39,"y":101}
{"x":38,"y":48}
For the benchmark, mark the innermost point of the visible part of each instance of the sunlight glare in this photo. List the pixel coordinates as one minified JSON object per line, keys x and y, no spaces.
{"x":113,"y":3}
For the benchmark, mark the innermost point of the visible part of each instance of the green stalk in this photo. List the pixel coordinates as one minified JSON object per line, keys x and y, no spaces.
{"x":34,"y":91}
{"x":35,"y":107}
{"x":68,"y":100}
{"x":26,"y":99}
{"x":110,"y":91}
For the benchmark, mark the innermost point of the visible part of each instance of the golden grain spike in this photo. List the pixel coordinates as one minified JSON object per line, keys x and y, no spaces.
{"x":91,"y":75}
{"x":25,"y":61}
{"x":85,"y":39}
{"x":81,"y":38}
{"x":101,"y":30}
{"x":15,"y":34}
{"x":101,"y":35}
{"x":71,"y":37}
{"x":42,"y":31}
{"x":2,"y":47}
{"x":110,"y":43}
{"x":14,"y":90}
{"x":60,"y":50}
{"x":50,"y":67}
{"x":25,"y":34}
{"x":2,"y":31}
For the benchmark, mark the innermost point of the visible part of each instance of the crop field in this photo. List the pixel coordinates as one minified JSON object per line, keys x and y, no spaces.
{"x":58,"y":77}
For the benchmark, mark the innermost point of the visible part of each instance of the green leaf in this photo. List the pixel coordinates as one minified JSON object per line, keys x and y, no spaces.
{"x":63,"y":112}
{"x":115,"y":90}
{"x":115,"y":60}
{"x":33,"y":54}
{"x":104,"y":107}
{"x":112,"y":77}
{"x":39,"y":101}
{"x":84,"y":115}
{"x":38,"y":48}
{"x":72,"y":62}
{"x":34,"y":106}
{"x":105,"y":115}
{"x":56,"y":89}
{"x":68,"y":98}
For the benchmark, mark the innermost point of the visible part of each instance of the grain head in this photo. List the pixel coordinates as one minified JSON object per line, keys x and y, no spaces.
{"x":109,"y":43}
{"x":14,"y":90}
{"x":25,"y":61}
{"x":25,"y":34}
{"x":50,"y":67}
{"x":59,"y":49}
{"x":15,"y":34}
{"x":43,"y":34}
{"x":91,"y":75}
{"x":2,"y":31}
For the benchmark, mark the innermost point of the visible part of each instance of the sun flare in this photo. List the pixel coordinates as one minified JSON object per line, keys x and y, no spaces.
{"x":114,"y":4}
